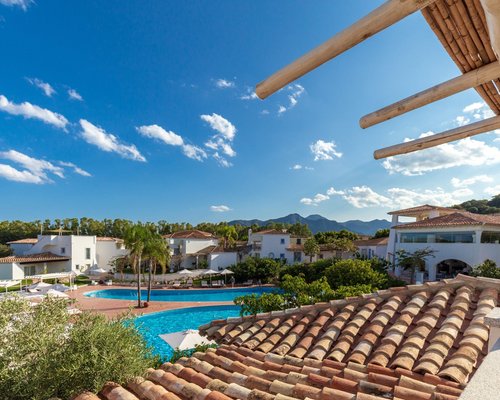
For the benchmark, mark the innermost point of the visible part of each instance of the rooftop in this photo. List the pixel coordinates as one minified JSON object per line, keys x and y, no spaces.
{"x":190,"y":234}
{"x":271,"y":232}
{"x":414,"y":342}
{"x":33,"y":258}
{"x":421,"y":209}
{"x":372,"y":242}
{"x":24,"y":241}
{"x":458,"y":218}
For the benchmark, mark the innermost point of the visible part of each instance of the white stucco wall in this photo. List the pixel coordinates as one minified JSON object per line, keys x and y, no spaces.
{"x":219,"y":261}
{"x":107,"y":251}
{"x":271,"y":246}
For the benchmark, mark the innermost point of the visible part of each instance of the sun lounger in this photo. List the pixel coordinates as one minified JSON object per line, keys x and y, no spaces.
{"x":176,"y":285}
{"x":217,"y":284}
{"x":248,"y":283}
{"x":204,"y":284}
{"x":189,"y":283}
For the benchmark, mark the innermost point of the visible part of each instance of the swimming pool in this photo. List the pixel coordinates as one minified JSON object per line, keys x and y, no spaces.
{"x":152,"y":325}
{"x":192,"y":295}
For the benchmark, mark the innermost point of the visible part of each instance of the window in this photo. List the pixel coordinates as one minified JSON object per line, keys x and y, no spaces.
{"x":299,"y":241}
{"x":439,"y":237}
{"x":282,"y":241}
{"x":490,"y":237}
{"x":29,"y":270}
{"x":63,"y":250}
{"x":282,"y":256}
{"x":87,"y":253}
{"x":271,"y":255}
{"x":257,"y":255}
{"x":297,"y":256}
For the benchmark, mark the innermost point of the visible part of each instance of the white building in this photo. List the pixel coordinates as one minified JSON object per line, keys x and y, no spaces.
{"x":59,"y":253}
{"x":371,"y":248}
{"x":460,"y":240}
{"x":271,"y":243}
{"x":194,"y":249}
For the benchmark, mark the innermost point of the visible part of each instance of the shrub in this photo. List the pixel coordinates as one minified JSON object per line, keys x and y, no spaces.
{"x":355,"y":290}
{"x":45,"y":352}
{"x":254,"y":304}
{"x":264,"y":269}
{"x":487,"y":269}
{"x":188,"y":353}
{"x":355,"y":272}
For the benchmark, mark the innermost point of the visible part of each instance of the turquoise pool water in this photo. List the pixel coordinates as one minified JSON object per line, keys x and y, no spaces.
{"x":152,"y":325}
{"x":192,"y":295}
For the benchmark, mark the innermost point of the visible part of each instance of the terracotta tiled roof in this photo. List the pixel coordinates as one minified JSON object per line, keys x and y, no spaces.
{"x":456,"y":219}
{"x":271,"y":232}
{"x":420,"y":342}
{"x":190,"y":234}
{"x":40,"y":257}
{"x":420,"y":209}
{"x":372,"y":242}
{"x":24,"y":241}
{"x":295,"y":247}
{"x":222,"y":249}
{"x":108,"y":239}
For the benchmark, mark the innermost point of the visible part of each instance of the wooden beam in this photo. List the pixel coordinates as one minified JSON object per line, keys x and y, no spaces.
{"x":492,"y":13}
{"x":462,"y":132}
{"x":382,"y":17}
{"x":463,"y":82}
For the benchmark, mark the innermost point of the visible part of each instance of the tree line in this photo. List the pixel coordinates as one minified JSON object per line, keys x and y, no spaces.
{"x":15,"y":230}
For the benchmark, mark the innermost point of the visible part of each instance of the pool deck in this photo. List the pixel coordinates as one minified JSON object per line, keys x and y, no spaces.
{"x":113,"y":307}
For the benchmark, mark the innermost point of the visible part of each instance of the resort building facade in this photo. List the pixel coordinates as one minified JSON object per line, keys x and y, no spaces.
{"x":59,"y":253}
{"x":459,"y":240}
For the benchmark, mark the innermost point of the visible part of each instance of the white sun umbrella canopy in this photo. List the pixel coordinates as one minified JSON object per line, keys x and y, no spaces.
{"x":40,"y":286}
{"x":226,"y":272}
{"x":185,"y":340}
{"x":98,"y":271}
{"x":185,"y":272}
{"x":56,"y":293}
{"x":60,"y":287}
{"x":211,"y":272}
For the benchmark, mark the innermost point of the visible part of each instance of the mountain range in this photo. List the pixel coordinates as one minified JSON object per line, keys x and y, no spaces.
{"x":318,"y":223}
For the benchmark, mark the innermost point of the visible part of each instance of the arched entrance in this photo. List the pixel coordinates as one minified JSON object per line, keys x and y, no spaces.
{"x":451,"y":268}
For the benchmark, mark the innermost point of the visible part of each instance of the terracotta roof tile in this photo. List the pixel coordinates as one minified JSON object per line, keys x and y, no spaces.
{"x":417,"y":342}
{"x":24,"y":241}
{"x":459,"y":218}
{"x":33,"y":258}
{"x":190,"y":234}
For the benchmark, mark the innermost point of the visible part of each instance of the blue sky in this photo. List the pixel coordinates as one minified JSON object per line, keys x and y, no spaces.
{"x":145,"y":110}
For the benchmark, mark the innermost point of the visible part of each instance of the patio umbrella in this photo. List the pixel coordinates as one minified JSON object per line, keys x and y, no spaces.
{"x":185,"y":340}
{"x":60,"y":287}
{"x":40,"y":286}
{"x":56,"y":293}
{"x":98,"y":271}
{"x":225,"y":273}
{"x":185,"y":272}
{"x":211,"y":272}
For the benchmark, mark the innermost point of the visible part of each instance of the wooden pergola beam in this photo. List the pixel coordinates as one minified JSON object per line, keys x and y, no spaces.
{"x":379,"y":19}
{"x":462,"y":132}
{"x":463,"y":82}
{"x":492,"y":13}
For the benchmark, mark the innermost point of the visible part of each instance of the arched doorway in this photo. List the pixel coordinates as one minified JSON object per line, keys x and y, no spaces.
{"x":451,"y":268}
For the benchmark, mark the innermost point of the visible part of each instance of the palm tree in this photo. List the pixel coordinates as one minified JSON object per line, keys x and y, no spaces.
{"x":134,"y":240}
{"x":413,"y":261}
{"x":156,"y":251}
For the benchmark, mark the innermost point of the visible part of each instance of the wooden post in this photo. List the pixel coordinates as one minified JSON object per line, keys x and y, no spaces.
{"x":462,"y":132}
{"x":382,"y":17}
{"x":492,"y":13}
{"x":466,"y":81}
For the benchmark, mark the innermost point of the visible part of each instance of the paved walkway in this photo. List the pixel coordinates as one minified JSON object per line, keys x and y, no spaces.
{"x":113,"y":307}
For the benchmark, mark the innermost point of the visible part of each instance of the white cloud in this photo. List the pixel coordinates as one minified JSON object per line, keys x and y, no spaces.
{"x":478,"y":111}
{"x":221,"y":160}
{"x":31,"y":111}
{"x":221,"y":208}
{"x":365,"y":197}
{"x":492,"y":190}
{"x":221,"y":125}
{"x":157,"y":132}
{"x":294,"y":92}
{"x":224,"y":84}
{"x":318,"y":198}
{"x":331,"y":192}
{"x":74,"y":95}
{"x":473,"y":107}
{"x":297,"y":167}
{"x":465,"y":152}
{"x":108,"y":142}
{"x":324,"y":150}
{"x":265,"y":112}
{"x":45,"y":87}
{"x":194,"y":152}
{"x":250,"y":95}
{"x":34,"y":170}
{"x":462,"y":120}
{"x":24,"y":4}
{"x":76,"y":169}
{"x":459,"y":183}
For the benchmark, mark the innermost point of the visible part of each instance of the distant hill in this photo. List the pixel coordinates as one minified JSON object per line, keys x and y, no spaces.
{"x":481,"y":206}
{"x":317,"y":223}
